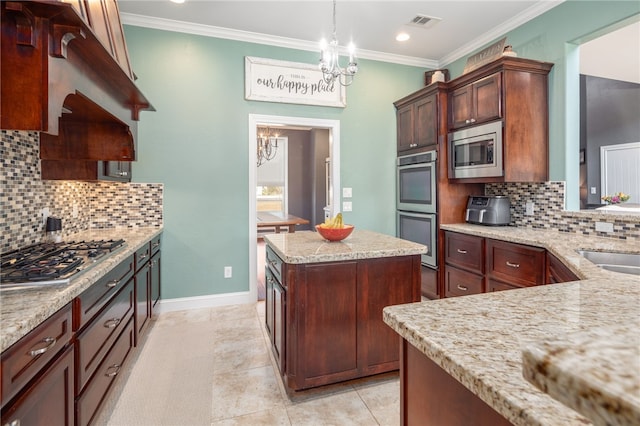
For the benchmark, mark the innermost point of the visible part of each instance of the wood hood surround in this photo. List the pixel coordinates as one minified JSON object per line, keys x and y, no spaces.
{"x":65,"y":72}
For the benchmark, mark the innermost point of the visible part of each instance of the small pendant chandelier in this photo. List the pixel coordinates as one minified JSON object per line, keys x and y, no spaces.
{"x":267,"y":146}
{"x":330,"y":58}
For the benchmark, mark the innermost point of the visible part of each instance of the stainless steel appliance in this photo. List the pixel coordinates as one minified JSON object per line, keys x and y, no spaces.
{"x":416,"y":182}
{"x":51,"y":263}
{"x":488,"y":210}
{"x":420,"y":228}
{"x":476,"y":152}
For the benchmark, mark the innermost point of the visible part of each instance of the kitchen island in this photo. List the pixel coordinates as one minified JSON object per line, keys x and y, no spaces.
{"x":324,"y":303}
{"x":469,"y":350}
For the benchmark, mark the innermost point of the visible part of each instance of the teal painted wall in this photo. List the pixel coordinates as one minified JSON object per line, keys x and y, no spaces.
{"x":553,"y":37}
{"x":197,"y":143}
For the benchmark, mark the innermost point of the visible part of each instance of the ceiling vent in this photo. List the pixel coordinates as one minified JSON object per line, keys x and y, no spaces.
{"x":424,"y":21}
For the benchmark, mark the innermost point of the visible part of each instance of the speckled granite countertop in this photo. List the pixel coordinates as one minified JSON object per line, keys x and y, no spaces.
{"x":23,"y":310}
{"x":310,"y":247}
{"x":479,"y":339}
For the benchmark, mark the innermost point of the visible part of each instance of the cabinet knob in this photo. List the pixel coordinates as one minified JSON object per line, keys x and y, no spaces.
{"x":113,"y":370}
{"x":123,"y":173}
{"x":112,"y":283}
{"x":413,"y":145}
{"x":112,"y":323}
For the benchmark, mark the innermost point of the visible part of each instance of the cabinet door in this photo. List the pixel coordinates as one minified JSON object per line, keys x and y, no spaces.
{"x":142,"y":280}
{"x":461,"y":283}
{"x":383,"y":282}
{"x":327,"y":325}
{"x":516,"y":264}
{"x":279,"y":309}
{"x":268,"y":301}
{"x":155,"y":281}
{"x":487,"y":99}
{"x":429,"y":282}
{"x":405,"y":129}
{"x":426,"y":121}
{"x":460,"y":106}
{"x":493,"y":285}
{"x":557,"y":272}
{"x":49,"y":400}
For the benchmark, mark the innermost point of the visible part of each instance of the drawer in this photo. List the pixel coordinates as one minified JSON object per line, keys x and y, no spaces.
{"x":96,"y":340}
{"x":274,"y":263}
{"x":493,"y":285}
{"x":461,"y":283}
{"x":516,"y":264}
{"x":155,"y":245}
{"x":142,"y":256}
{"x":25,"y":358}
{"x":464,"y":251}
{"x":88,"y":403}
{"x":95,"y":297}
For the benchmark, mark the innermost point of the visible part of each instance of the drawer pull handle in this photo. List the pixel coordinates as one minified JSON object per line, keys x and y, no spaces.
{"x":154,"y":245}
{"x":273,"y":262}
{"x":112,"y":283}
{"x":143,"y":256}
{"x":112,"y":371}
{"x":112,"y":323}
{"x":15,"y":422}
{"x":461,"y":287}
{"x":461,"y":251}
{"x":49,"y":341}
{"x":513,"y":265}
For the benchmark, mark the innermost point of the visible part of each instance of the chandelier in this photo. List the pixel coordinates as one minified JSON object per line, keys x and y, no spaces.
{"x":267,"y":145}
{"x":330,"y":57}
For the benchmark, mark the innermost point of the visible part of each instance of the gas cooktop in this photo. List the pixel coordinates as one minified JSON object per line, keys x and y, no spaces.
{"x":51,"y":263}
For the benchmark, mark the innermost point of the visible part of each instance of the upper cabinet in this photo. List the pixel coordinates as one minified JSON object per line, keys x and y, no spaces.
{"x":66,"y":73}
{"x":476,"y":103}
{"x":417,"y":121}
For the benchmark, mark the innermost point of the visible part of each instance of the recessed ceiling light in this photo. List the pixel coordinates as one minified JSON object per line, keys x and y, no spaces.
{"x":403,"y":36}
{"x":177,"y":1}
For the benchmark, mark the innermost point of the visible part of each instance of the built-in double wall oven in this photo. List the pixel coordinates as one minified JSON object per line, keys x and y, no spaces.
{"x":416,"y":181}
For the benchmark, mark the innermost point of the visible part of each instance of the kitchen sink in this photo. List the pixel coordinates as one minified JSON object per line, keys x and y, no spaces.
{"x":626,"y":263}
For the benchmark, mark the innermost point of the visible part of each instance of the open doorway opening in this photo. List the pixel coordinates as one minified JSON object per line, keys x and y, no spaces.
{"x":301,"y":188}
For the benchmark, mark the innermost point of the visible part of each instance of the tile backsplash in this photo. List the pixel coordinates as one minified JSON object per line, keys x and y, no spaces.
{"x":549,"y":213}
{"x":81,"y":205}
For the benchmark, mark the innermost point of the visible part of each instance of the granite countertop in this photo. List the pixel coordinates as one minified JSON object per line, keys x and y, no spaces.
{"x":310,"y":247}
{"x":479,"y":339}
{"x":23,"y":310}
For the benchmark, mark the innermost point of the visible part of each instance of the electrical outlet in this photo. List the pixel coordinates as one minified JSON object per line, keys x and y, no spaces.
{"x":74,"y":210}
{"x":529,"y":208}
{"x":228,"y":271}
{"x":346,"y":206}
{"x":347,"y":193}
{"x":604,"y":227}
{"x":593,"y":190}
{"x":45,"y":215}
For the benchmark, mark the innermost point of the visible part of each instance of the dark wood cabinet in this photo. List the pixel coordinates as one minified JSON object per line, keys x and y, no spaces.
{"x":142,"y":288}
{"x":429,"y":283}
{"x":476,"y":103}
{"x":417,"y":123}
{"x":557,"y":272}
{"x":49,"y":398}
{"x":475,"y":264}
{"x":119,"y":171}
{"x":325,"y":319}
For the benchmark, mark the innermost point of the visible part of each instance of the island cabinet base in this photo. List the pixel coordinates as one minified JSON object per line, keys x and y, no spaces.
{"x":333,"y":323}
{"x":430,"y":396}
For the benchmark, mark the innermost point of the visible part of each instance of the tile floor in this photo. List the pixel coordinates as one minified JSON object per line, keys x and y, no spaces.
{"x":214,"y":367}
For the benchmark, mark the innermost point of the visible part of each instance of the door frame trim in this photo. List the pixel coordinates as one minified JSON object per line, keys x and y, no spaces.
{"x":334,"y":149}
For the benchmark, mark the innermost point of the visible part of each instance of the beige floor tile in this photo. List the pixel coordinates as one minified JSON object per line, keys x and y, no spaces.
{"x":242,"y":354}
{"x":342,"y":409}
{"x":383,"y":400}
{"x":274,"y":417}
{"x":244,"y":392}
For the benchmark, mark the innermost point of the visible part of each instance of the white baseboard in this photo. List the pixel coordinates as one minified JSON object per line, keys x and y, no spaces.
{"x":209,"y":301}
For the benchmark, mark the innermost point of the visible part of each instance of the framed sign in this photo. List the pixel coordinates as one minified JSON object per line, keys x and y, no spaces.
{"x":270,"y":80}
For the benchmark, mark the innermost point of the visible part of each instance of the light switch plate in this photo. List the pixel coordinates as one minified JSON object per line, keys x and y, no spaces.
{"x":347,"y":193}
{"x":604,"y":227}
{"x":346,"y":206}
{"x":529,"y":208}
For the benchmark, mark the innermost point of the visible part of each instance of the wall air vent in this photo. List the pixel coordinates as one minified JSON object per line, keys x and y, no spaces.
{"x":424,"y":21}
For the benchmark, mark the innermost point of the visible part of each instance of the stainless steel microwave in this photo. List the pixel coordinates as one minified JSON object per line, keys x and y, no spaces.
{"x":476,"y":152}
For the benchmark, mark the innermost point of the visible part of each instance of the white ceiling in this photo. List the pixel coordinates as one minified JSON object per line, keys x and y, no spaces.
{"x":615,"y":55}
{"x":464,"y":25}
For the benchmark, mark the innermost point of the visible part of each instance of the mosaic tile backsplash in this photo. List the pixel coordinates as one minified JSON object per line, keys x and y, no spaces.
{"x":549,"y":213}
{"x":80,"y":205}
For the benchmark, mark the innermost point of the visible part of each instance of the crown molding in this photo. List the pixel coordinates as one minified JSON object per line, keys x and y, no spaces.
{"x":250,"y":37}
{"x":534,"y":11}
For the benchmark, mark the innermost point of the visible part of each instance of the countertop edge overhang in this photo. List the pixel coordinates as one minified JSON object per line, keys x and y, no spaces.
{"x":23,"y":310}
{"x":309,"y":247}
{"x":486,"y":356}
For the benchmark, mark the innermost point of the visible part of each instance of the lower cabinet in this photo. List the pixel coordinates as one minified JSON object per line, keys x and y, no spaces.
{"x":477,"y":265}
{"x":49,"y":400}
{"x":325,"y":319}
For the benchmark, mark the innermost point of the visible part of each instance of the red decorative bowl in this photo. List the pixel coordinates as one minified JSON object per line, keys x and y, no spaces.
{"x":334,"y":234}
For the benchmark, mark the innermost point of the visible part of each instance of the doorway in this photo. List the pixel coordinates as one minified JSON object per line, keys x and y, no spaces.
{"x":255,"y":121}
